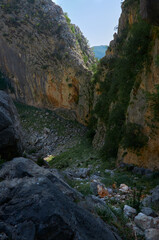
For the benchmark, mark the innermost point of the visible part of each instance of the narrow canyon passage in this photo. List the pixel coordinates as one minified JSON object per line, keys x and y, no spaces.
{"x":79,"y":125}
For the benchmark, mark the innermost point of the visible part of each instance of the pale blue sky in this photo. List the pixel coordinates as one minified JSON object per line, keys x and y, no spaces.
{"x":96,"y":18}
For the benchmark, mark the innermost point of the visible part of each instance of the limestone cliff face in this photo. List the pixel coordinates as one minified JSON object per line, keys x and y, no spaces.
{"x":140,"y":111}
{"x":128,"y":17}
{"x":149,"y":10}
{"x":138,"y":139}
{"x":46,"y":58}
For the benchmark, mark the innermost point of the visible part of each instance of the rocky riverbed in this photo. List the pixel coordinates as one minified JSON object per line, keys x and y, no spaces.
{"x":125,"y":197}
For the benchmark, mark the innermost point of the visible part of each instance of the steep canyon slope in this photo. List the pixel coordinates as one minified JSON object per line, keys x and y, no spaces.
{"x":45,"y":57}
{"x":127,"y":92}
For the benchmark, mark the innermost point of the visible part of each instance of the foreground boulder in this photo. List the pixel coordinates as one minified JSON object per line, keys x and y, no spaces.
{"x":10,"y":132}
{"x":35,"y":204}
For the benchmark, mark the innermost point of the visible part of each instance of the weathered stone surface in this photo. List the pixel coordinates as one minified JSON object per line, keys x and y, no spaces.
{"x":155,"y":195}
{"x":93,"y":187}
{"x":149,"y":10}
{"x":45,"y":57}
{"x":124,"y":188}
{"x":102,"y":191}
{"x":139,"y":171}
{"x":22,"y":167}
{"x":36,"y":204}
{"x":111,"y":172}
{"x":138,"y":231}
{"x":99,"y":138}
{"x":77,"y":173}
{"x":146,"y":202}
{"x":10,"y":130}
{"x":152,"y":234}
{"x":93,"y":204}
{"x":156,"y":222}
{"x":135,"y":229}
{"x":139,"y":111}
{"x":3,"y":236}
{"x":129,"y":211}
{"x":148,"y":211}
{"x":144,"y":222}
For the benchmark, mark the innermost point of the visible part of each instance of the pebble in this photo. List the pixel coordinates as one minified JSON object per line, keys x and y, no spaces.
{"x":124,"y":188}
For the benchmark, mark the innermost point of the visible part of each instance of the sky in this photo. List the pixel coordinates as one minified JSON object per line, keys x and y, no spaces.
{"x":96,"y":18}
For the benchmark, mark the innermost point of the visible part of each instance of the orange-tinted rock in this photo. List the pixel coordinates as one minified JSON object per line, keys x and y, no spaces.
{"x":102,"y":191}
{"x":43,"y":57}
{"x":141,"y":112}
{"x":114,"y":186}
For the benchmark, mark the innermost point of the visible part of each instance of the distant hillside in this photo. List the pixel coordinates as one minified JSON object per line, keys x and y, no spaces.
{"x":99,"y":51}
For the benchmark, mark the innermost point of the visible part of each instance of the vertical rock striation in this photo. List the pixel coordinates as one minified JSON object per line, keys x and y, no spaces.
{"x":45,"y":56}
{"x":128,"y":88}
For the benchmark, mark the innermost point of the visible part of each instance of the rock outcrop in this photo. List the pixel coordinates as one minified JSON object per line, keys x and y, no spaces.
{"x":127,"y":89}
{"x":45,"y":56}
{"x":150,"y":11}
{"x":35,"y":204}
{"x":10,"y":130}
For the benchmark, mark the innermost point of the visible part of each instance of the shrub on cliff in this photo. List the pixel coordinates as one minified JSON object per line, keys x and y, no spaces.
{"x":3,"y":82}
{"x":134,"y":137}
{"x":133,"y":48}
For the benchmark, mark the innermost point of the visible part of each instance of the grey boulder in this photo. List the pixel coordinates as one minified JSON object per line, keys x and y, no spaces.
{"x":155,"y":195}
{"x":35,"y":204}
{"x":129,"y":211}
{"x":10,"y":131}
{"x":144,"y":222}
{"x":148,"y":211}
{"x":152,"y":234}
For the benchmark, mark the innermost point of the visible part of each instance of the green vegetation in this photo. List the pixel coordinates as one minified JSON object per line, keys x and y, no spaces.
{"x":40,"y":162}
{"x":68,"y":20}
{"x":125,"y":232}
{"x":157,"y":61}
{"x":153,"y":100}
{"x":128,"y":3}
{"x":3,"y":82}
{"x":80,"y":155}
{"x":31,"y":1}
{"x":83,"y":155}
{"x":71,"y":26}
{"x":37,"y":118}
{"x":134,"y":137}
{"x":73,"y":29}
{"x":112,"y":104}
{"x":70,"y":85}
{"x":44,"y":67}
{"x":85,"y":58}
{"x":92,"y":125}
{"x":10,"y":6}
{"x":83,"y":187}
{"x":1,"y":161}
